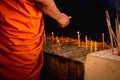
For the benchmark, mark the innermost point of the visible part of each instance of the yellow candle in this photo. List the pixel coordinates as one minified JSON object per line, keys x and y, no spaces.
{"x":78,"y":39}
{"x":95,"y":48}
{"x":86,"y":42}
{"x":103,"y":40}
{"x":52,"y":36}
{"x":57,"y":40}
{"x":70,"y":17}
{"x":91,"y":46}
{"x":44,"y":37}
{"x":58,"y":43}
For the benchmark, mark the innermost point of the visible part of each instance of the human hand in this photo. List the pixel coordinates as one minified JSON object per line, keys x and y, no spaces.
{"x":64,"y":20}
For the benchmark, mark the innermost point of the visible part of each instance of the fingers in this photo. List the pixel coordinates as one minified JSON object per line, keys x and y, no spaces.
{"x":65,"y":24}
{"x":64,"y":20}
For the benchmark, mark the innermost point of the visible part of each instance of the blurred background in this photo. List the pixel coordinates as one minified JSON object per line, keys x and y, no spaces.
{"x":88,"y":17}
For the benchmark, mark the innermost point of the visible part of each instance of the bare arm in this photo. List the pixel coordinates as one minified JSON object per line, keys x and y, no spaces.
{"x":49,"y":8}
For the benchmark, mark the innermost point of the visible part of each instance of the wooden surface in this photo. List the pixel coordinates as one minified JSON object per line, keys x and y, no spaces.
{"x":61,"y":68}
{"x":63,"y":63}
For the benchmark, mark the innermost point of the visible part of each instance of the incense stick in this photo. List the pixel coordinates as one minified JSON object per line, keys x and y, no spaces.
{"x":115,"y":39}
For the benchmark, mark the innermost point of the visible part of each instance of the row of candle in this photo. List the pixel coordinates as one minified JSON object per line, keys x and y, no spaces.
{"x":86,"y":42}
{"x":78,"y":37}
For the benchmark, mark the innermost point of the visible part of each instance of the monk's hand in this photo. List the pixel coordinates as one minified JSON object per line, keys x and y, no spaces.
{"x":64,"y":20}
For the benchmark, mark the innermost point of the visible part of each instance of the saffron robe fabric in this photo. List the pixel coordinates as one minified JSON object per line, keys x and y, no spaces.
{"x":21,"y":28}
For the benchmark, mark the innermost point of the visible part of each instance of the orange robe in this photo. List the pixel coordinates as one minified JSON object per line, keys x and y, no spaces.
{"x":21,"y":28}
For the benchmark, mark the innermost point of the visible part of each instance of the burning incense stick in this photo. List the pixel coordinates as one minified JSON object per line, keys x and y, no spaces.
{"x":110,"y":31}
{"x":115,"y":39}
{"x":118,"y":33}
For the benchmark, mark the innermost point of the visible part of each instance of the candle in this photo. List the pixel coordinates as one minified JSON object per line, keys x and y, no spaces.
{"x":91,"y":46}
{"x":78,"y":39}
{"x":86,"y":42}
{"x":95,"y":46}
{"x":58,"y":43}
{"x":103,"y":40}
{"x":52,"y":36}
{"x":70,"y":17}
{"x":44,"y":37}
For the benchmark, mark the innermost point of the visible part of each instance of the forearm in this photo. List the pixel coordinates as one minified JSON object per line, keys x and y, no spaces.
{"x":49,"y":8}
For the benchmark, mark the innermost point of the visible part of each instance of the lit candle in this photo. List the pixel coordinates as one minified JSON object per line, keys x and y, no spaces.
{"x":95,"y":46}
{"x":91,"y":46}
{"x":52,"y":36}
{"x":103,"y":40}
{"x":78,"y":39}
{"x":86,"y":42}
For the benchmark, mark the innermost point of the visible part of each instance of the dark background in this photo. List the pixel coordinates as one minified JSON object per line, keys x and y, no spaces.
{"x":88,"y":17}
